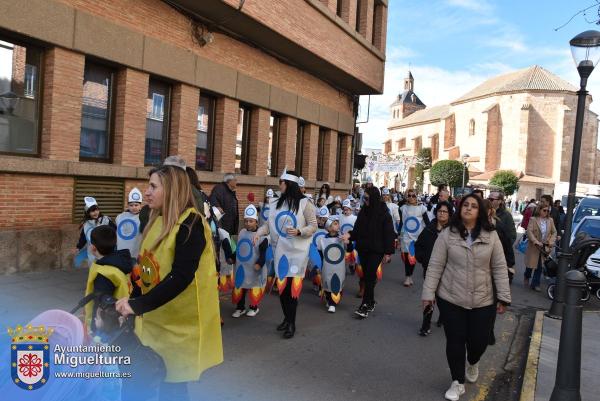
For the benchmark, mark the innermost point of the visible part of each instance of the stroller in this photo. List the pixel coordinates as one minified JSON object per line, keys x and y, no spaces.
{"x":583,"y":248}
{"x":147,"y":368}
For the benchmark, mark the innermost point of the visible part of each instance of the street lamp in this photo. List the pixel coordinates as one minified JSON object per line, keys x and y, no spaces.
{"x":465,"y":165}
{"x":585,"y":48}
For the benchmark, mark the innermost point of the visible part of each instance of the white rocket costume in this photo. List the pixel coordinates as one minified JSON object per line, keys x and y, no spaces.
{"x":412,"y":225}
{"x":246,"y":256}
{"x":89,"y":225}
{"x":347,"y":222}
{"x":334,"y":268}
{"x":128,"y":226}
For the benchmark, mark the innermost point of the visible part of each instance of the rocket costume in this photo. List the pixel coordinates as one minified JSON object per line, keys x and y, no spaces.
{"x":129,"y":235}
{"x":413,"y":222}
{"x":226,"y":251}
{"x":334,"y":269}
{"x":88,"y":226}
{"x":247,"y":278}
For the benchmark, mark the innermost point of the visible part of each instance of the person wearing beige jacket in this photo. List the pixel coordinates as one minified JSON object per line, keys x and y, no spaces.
{"x":467,"y":272}
{"x":541,"y":234}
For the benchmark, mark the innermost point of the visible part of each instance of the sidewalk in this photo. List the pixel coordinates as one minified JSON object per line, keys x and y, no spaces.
{"x":540,"y":372}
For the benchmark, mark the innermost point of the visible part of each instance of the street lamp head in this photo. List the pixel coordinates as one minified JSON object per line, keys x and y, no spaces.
{"x":585,"y":49}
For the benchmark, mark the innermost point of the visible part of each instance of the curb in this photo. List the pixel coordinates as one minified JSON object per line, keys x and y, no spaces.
{"x":531,"y":368}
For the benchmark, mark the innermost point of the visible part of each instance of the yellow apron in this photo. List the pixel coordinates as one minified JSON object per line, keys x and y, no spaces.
{"x":119,"y":279}
{"x":185,"y":332}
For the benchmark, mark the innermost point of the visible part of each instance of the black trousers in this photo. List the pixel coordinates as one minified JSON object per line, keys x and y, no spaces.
{"x":288,"y":304}
{"x":467,"y":330}
{"x":409,"y":268}
{"x":370,"y":262}
{"x":242,"y":304}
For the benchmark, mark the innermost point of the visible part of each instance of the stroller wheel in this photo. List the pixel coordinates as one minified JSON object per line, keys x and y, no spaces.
{"x":550,"y":291}
{"x":598,"y":293}
{"x":585,"y":295}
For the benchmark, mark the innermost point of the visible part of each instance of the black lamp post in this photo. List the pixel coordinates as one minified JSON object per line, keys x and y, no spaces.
{"x":585,"y":48}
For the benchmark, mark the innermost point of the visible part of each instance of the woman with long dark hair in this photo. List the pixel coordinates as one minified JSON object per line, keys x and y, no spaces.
{"x":374,"y":235}
{"x":466,"y":265}
{"x":291,"y":223}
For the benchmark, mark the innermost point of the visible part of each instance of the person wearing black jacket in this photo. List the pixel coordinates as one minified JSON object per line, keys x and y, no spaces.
{"x":224,"y":197}
{"x":374,"y":236}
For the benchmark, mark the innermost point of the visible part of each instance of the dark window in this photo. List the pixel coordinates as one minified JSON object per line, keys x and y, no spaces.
{"x":358,"y":11}
{"x":205,"y":133}
{"x":339,"y":155}
{"x":19,"y":98}
{"x":300,"y":146}
{"x":321,"y":154}
{"x":338,"y":9}
{"x":273,"y":158}
{"x":242,"y":141}
{"x":472,"y":127}
{"x":157,"y":122}
{"x":95,"y":136}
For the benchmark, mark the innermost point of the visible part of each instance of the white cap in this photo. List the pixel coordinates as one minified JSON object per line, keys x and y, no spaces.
{"x":250,"y":212}
{"x":270,"y":193}
{"x":385,"y":191}
{"x":330,"y":220}
{"x":370,"y":180}
{"x":347,"y":203}
{"x":323,"y":212}
{"x":338,"y":199}
{"x":135,"y":195}
{"x":309,"y":196}
{"x":89,"y":202}
{"x":289,"y":177}
{"x":301,"y":182}
{"x":217,"y":213}
{"x":176,"y":161}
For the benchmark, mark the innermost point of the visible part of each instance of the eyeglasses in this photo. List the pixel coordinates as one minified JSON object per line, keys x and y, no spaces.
{"x":493,"y":199}
{"x":545,"y":210}
{"x":411,"y":196}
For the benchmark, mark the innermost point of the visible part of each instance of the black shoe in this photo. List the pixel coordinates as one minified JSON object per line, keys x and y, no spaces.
{"x":283,"y":326}
{"x":439,"y":323}
{"x":289,"y":331}
{"x":371,"y":306}
{"x":362,"y":311}
{"x":424,"y":333}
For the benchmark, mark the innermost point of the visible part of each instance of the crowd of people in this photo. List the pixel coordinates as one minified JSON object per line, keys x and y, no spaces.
{"x":165,"y":260}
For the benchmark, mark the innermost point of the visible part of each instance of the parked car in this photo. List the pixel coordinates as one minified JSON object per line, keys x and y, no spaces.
{"x":588,"y":206}
{"x":587,"y":224}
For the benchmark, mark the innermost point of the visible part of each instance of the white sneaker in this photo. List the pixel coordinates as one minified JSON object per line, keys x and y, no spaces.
{"x":407,"y":282}
{"x":455,"y":391}
{"x":252,"y":312}
{"x":331,"y":309}
{"x":238,"y":313}
{"x":411,"y":281}
{"x":472,"y":372}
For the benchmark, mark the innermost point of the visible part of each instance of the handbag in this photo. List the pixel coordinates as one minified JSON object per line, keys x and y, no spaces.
{"x":522,"y":245}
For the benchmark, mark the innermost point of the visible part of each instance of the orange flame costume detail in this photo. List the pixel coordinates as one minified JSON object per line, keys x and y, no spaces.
{"x":256,"y":295}
{"x":379,"y":272}
{"x":336,"y":297}
{"x":296,"y":287}
{"x":281,"y":285}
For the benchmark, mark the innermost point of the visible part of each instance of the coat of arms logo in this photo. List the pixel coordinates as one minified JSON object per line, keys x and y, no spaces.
{"x":30,"y":356}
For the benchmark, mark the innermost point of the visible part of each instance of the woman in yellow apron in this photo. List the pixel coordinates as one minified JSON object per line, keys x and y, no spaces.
{"x":175,"y":299}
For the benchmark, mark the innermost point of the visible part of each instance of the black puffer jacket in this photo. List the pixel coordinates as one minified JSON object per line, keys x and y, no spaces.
{"x":425,"y":243}
{"x":222,"y":196}
{"x":374,"y":230}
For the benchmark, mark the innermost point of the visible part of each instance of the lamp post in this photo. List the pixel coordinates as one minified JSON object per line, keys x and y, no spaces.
{"x":585,"y":49}
{"x":465,"y":166}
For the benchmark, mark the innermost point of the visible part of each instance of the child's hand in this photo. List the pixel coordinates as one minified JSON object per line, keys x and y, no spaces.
{"x":257,"y":267}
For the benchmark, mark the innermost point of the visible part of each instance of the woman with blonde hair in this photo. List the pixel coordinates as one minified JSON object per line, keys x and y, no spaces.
{"x":174,"y":297}
{"x":541,"y":234}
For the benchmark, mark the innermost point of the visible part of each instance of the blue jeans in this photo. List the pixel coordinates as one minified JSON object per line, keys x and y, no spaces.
{"x":537,"y":274}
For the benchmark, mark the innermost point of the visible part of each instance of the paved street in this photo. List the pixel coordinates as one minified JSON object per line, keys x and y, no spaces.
{"x":332,"y":356}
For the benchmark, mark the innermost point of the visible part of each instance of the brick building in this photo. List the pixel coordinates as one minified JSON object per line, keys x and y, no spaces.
{"x":94,"y":92}
{"x":522,"y":121}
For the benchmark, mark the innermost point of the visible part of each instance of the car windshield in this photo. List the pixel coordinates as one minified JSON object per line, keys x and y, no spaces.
{"x":590,"y":227}
{"x":586,"y":209}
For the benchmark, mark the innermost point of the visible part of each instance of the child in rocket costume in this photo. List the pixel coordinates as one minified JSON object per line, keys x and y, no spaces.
{"x":225,"y":255}
{"x":263,"y":215}
{"x":128,"y":224}
{"x":251,"y":272}
{"x":413,"y":220}
{"x":322,"y":217}
{"x":92,"y":219}
{"x":347,"y":220}
{"x":332,"y":250}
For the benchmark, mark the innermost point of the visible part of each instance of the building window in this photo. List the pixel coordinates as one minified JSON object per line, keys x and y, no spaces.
{"x":157,"y":122}
{"x":321,"y":154}
{"x":387,"y":147}
{"x":300,"y":146}
{"x":339,"y":155}
{"x":19,"y":98}
{"x":378,"y":25}
{"x":418,"y":144}
{"x":205,"y":133}
{"x":435,"y":147}
{"x":273,"y":155}
{"x":95,"y":136}
{"x":338,"y":9}
{"x":242,"y":141}
{"x":403,"y":143}
{"x":358,"y":14}
{"x":472,"y":127}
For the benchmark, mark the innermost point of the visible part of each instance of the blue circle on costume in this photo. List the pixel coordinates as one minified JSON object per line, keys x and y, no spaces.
{"x":335,"y":284}
{"x":264,"y":213}
{"x":331,"y":247}
{"x":136,"y":197}
{"x":244,"y":257}
{"x":126,"y":223}
{"x":411,"y":248}
{"x":323,"y":212}
{"x":239,"y":276}
{"x":250,"y":212}
{"x":317,"y":236}
{"x":283,"y":267}
{"x":348,"y":226}
{"x":286,"y":214}
{"x":412,"y":220}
